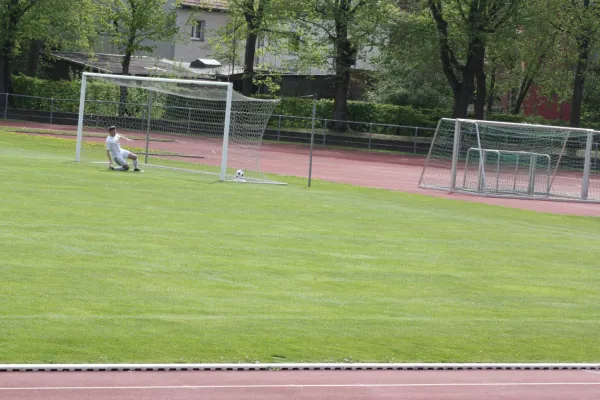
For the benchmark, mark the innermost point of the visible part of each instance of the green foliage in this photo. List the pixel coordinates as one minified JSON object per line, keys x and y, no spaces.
{"x":589,"y":122}
{"x":359,"y":111}
{"x":42,"y":91}
{"x":135,"y":23}
{"x":59,"y":24}
{"x":279,"y":35}
{"x":408,"y":66}
{"x":29,"y":86}
{"x":519,"y":118}
{"x":70,"y":24}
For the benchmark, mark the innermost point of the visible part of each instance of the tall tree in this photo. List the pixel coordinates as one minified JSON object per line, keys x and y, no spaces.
{"x":584,"y":17}
{"x":464,"y":28}
{"x":408,"y":71}
{"x":522,"y":53}
{"x":349,"y":28}
{"x":136,"y":26}
{"x":71,"y":23}
{"x":254,"y":15}
{"x":262,"y":33}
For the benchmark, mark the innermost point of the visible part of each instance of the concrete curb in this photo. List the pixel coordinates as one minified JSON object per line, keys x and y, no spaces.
{"x":295,"y":367}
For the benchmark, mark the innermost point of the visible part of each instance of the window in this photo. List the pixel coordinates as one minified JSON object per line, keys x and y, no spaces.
{"x":198,"y":30}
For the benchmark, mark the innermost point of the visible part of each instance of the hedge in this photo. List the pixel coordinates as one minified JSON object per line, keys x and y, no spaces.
{"x":364,"y":113}
{"x":288,"y":106}
{"x":66,"y":96}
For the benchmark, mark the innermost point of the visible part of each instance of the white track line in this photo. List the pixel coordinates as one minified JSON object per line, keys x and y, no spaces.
{"x":592,"y":372}
{"x":293,"y":386}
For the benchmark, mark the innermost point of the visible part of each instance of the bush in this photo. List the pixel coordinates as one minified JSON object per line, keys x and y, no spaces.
{"x":366,"y":114}
{"x":66,"y":95}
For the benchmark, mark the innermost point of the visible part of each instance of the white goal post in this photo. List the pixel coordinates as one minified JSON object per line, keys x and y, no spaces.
{"x":492,"y":158}
{"x":186,"y":124}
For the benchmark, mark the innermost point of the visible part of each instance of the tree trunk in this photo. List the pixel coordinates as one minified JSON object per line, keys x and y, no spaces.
{"x":583,"y":47}
{"x":254,"y":18}
{"x":345,"y":56}
{"x":492,"y":91}
{"x":8,"y":44}
{"x":249,"y":54}
{"x":340,"y":100}
{"x":478,"y":66}
{"x":4,"y":74}
{"x":33,"y":58}
{"x":523,"y":91}
{"x":464,"y":94}
{"x":579,"y":82}
{"x":4,"y":80}
{"x":123,"y":92}
{"x":462,"y":99}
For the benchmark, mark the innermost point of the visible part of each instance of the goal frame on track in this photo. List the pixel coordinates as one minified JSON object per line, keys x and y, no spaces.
{"x":451,"y":164}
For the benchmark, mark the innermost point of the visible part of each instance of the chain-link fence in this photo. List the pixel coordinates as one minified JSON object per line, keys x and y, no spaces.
{"x":283,"y":128}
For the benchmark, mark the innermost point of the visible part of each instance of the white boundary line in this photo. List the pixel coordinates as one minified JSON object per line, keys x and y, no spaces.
{"x":592,"y":372}
{"x":297,"y":367}
{"x":293,"y":386}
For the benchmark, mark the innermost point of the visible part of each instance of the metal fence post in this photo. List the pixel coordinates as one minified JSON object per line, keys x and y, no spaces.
{"x":279,"y":129}
{"x":148,"y":118}
{"x":370,"y":134}
{"x":6,"y":106}
{"x":415,"y":140}
{"x":51,"y":110}
{"x":312,"y":138}
{"x":189,"y":125}
{"x":324,"y":131}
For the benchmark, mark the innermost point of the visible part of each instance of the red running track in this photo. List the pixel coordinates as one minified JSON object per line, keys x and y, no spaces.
{"x":369,"y":169}
{"x":303,"y":385}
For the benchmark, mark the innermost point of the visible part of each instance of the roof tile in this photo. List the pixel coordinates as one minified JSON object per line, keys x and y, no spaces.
{"x":220,"y":5}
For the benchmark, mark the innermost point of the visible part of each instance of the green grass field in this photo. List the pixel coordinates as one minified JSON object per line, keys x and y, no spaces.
{"x":164,"y":266}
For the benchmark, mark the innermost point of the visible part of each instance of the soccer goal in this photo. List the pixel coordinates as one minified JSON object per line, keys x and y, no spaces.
{"x":517,"y":160}
{"x":189,"y":125}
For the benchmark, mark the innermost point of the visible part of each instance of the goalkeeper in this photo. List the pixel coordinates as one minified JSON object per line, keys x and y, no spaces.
{"x":118,"y":155}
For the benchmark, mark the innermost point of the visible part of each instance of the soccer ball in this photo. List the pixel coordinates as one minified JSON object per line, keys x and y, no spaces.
{"x":239,"y":173}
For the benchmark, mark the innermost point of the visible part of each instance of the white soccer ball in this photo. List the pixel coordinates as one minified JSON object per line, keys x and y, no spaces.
{"x":239,"y":173}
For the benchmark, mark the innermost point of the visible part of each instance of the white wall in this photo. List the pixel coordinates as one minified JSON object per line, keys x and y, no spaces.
{"x":191,"y":49}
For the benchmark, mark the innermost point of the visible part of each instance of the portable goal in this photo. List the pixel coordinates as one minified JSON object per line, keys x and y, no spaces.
{"x":492,"y":158}
{"x":190,"y":125}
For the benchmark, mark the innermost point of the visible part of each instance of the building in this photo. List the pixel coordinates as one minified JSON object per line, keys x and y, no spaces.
{"x":197,"y":20}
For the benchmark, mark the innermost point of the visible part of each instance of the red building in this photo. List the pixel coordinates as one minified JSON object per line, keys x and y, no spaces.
{"x":536,"y":104}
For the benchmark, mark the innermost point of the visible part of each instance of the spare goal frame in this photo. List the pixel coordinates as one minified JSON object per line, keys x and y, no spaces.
{"x":558,"y":159}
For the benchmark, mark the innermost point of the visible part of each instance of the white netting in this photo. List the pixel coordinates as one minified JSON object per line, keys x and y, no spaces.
{"x":176,"y":124}
{"x":507,"y":159}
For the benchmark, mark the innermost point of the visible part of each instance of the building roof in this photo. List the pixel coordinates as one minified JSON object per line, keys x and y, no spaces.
{"x":148,"y":66}
{"x":218,"y":5}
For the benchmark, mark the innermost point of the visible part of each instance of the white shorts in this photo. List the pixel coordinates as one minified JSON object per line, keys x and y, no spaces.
{"x":123,"y":159}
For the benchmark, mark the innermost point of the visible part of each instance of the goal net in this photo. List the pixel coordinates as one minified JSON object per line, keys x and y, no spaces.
{"x":517,"y":160}
{"x":191,"y":125}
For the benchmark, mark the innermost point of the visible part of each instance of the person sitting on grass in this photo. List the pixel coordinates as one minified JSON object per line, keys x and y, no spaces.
{"x":120,"y":156}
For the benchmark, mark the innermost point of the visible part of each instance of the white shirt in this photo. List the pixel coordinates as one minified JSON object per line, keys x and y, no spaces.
{"x":112,"y":144}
